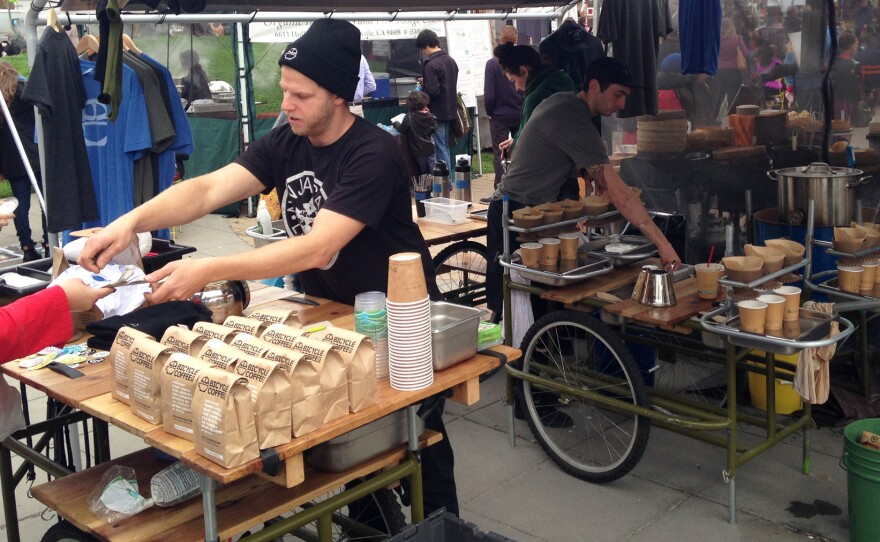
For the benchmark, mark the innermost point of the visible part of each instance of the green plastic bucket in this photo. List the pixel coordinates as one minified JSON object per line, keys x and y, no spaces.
{"x":862,"y":465}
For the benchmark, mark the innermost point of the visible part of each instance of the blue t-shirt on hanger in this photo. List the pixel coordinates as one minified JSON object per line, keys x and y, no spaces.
{"x":699,"y":23}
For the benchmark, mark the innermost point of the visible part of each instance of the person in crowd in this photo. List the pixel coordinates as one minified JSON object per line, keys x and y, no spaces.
{"x":845,"y":79}
{"x":43,"y":319}
{"x":346,"y":202}
{"x":862,"y":18}
{"x":792,"y":21}
{"x":690,"y":92}
{"x":732,"y":56}
{"x":195,"y":82}
{"x":523,"y":66}
{"x":417,"y":128}
{"x":765,"y":60}
{"x":440,"y":82}
{"x":869,"y":55}
{"x":560,"y":138}
{"x":503,"y":102}
{"x":366,"y":82}
{"x":11,"y":165}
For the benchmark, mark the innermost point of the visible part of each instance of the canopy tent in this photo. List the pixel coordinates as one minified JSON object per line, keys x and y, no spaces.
{"x":336,"y":5}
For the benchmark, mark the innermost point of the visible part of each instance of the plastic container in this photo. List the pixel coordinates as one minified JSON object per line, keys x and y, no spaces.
{"x":355,"y":447}
{"x":446,"y":210}
{"x":441,"y":526}
{"x":162,"y":252}
{"x":453,"y":333}
{"x":787,"y":400}
{"x":862,"y":465}
{"x":278,"y":234}
{"x":9,"y":294}
{"x":264,"y":219}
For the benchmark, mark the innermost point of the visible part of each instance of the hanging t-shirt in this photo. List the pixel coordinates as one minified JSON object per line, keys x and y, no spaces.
{"x":362,"y":176}
{"x":113,"y":146}
{"x":633,"y":29}
{"x":183,"y":142}
{"x":55,"y":87}
{"x":700,"y":35}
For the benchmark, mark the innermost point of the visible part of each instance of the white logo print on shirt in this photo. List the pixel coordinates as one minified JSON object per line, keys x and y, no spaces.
{"x":303,"y":197}
{"x":95,"y":123}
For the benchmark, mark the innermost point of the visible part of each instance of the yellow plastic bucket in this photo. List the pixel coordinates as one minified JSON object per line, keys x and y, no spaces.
{"x":787,"y":400}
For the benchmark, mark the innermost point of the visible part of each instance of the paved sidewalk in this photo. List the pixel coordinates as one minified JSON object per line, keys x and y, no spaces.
{"x":676,"y":493}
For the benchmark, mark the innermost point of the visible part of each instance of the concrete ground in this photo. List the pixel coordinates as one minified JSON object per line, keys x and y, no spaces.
{"x":676,"y":493}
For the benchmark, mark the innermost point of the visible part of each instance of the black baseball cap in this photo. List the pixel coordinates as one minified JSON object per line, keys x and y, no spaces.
{"x":609,"y":70}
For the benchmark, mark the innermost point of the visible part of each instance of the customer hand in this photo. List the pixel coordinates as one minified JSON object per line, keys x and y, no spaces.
{"x":81,"y":297}
{"x":100,"y":248}
{"x":4,"y":219}
{"x":504,"y":145}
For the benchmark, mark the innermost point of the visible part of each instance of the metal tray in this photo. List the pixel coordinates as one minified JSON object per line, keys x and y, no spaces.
{"x":814,"y":325}
{"x":831,"y":288}
{"x":479,"y":214}
{"x":640,"y":248}
{"x":612,"y":214}
{"x":588,"y":266}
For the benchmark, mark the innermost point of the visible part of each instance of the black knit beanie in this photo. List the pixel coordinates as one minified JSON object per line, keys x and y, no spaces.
{"x":329,"y":53}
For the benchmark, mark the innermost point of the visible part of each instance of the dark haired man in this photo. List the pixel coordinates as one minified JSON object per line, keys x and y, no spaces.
{"x":440,"y":83}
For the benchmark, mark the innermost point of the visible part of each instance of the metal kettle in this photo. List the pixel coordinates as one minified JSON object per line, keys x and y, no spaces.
{"x":654,"y":287}
{"x":224,"y":298}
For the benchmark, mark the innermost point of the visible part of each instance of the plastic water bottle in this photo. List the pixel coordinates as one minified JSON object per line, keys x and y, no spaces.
{"x":173,"y":484}
{"x":264,"y":219}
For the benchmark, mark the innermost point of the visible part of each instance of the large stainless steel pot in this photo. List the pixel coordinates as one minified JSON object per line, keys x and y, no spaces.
{"x":832,"y":188}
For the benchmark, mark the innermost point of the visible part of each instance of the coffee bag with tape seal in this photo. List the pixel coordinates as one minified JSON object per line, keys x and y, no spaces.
{"x":334,"y":375}
{"x":145,"y":366}
{"x":123,"y":344}
{"x":245,"y":325}
{"x":219,"y":354}
{"x":223,"y":419}
{"x":178,"y":382}
{"x":276,"y":316}
{"x":185,"y":341}
{"x":215,"y":331}
{"x":269,"y":384}
{"x":360,"y":357}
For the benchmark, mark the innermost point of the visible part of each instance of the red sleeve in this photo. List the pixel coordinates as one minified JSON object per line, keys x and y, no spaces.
{"x":34,"y":322}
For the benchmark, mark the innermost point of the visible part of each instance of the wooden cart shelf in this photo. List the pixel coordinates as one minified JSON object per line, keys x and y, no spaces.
{"x":244,"y":503}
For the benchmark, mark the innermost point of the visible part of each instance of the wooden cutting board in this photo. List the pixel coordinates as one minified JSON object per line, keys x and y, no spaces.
{"x":689,"y":304}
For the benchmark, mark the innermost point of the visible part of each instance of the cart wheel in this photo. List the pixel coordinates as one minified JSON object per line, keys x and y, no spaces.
{"x":64,"y":531}
{"x":573,"y":348}
{"x":461,"y":273}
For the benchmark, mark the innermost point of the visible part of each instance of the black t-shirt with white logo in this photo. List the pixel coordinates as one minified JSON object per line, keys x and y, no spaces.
{"x":362,"y":176}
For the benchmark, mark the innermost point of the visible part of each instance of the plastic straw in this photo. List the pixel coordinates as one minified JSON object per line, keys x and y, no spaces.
{"x":711,"y":253}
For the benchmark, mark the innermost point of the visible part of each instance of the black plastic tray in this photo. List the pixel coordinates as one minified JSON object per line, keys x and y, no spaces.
{"x":162,"y":252}
{"x":9,"y":294}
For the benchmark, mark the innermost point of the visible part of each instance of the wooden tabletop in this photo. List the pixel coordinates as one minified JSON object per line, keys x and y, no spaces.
{"x":439,"y":234}
{"x":603,"y":283}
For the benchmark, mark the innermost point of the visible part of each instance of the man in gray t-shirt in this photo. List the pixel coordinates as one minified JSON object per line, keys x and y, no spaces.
{"x":559,"y":142}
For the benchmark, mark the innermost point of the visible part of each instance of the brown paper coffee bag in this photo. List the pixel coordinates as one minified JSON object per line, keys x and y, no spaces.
{"x":247,"y":343}
{"x":360,"y":358}
{"x":119,"y":354}
{"x":223,"y":419}
{"x":144,"y":369}
{"x":269,"y":384}
{"x":219,"y":354}
{"x":334,"y":375}
{"x":214,"y":331}
{"x":282,"y":335}
{"x":276,"y":316}
{"x":307,"y":412}
{"x":246,"y":325}
{"x":178,"y":381}
{"x":184,"y":340}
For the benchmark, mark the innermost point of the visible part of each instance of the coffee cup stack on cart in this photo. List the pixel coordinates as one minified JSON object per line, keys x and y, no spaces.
{"x":410,"y":356}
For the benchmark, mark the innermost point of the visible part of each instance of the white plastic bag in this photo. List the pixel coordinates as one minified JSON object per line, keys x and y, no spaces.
{"x":11,"y":417}
{"x":116,"y":496}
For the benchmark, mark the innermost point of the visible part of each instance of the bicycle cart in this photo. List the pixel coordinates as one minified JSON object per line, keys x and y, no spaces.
{"x":579,"y":362}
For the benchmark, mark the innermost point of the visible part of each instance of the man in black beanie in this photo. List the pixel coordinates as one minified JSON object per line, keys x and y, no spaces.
{"x":344,"y":192}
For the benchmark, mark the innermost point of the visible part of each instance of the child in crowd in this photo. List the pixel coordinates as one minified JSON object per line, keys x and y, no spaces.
{"x":417,"y":128}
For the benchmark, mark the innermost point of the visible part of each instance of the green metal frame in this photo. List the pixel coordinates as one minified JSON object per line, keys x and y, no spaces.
{"x":689,"y":418}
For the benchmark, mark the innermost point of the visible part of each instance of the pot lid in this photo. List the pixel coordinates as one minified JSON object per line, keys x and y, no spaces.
{"x":818,"y":170}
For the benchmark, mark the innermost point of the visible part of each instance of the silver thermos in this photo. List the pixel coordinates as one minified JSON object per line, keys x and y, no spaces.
{"x":462,"y":190}
{"x":441,"y":179}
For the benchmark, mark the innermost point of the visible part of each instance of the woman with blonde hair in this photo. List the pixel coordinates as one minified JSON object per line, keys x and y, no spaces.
{"x":733,"y":63}
{"x":11,"y":166}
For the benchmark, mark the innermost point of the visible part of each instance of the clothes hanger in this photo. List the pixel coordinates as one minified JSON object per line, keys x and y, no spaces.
{"x":87,"y":44}
{"x":128,"y":44}
{"x":52,"y":20}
